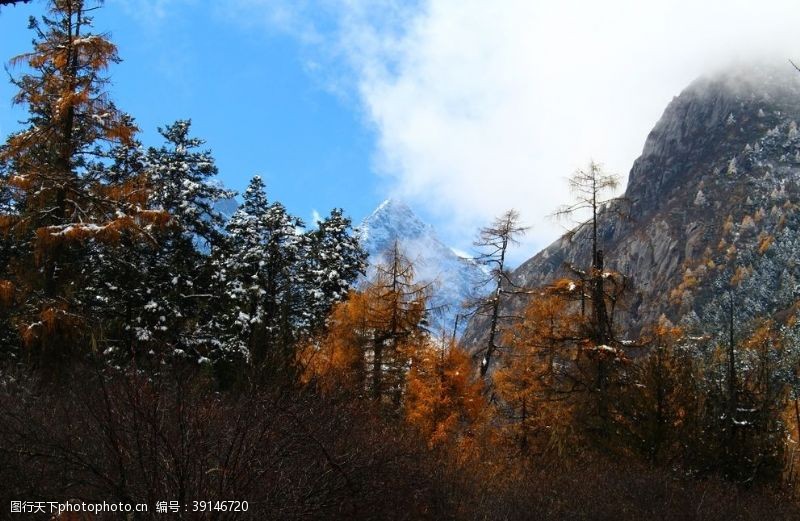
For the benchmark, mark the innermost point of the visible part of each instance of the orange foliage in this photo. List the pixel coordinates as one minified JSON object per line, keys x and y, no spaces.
{"x":131,"y":192}
{"x":741,"y":273}
{"x":764,"y":338}
{"x":7,"y":222}
{"x":157,"y":218}
{"x":527,"y":384}
{"x":54,"y":323}
{"x":336,"y":360}
{"x":444,"y":398}
{"x":371,"y":336}
{"x":764,"y":242}
{"x":109,"y":232}
{"x":690,"y":281}
{"x":564,"y":286}
{"x":20,"y":182}
{"x":6,"y":293}
{"x":117,"y":131}
{"x":728,"y":226}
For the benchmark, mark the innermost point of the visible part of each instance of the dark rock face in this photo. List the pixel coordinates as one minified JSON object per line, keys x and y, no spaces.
{"x":719,"y":170}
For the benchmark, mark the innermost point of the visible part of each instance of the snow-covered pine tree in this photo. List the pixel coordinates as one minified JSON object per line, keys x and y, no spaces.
{"x":332,"y":262}
{"x":152,"y":291}
{"x":242,"y":293}
{"x":180,"y":176}
{"x":261,"y":281}
{"x":177,"y":274}
{"x":114,"y":271}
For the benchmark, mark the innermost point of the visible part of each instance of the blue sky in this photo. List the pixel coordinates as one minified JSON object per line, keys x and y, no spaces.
{"x":462,"y":108}
{"x":248,"y":92}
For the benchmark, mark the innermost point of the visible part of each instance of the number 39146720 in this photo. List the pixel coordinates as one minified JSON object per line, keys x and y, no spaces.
{"x":220,"y":506}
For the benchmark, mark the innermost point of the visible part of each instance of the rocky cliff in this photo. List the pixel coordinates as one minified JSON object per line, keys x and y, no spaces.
{"x":715,"y":190}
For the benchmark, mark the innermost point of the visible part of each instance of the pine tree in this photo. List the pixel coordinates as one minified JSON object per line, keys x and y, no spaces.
{"x":395,"y":319}
{"x":182,"y":184}
{"x":55,"y":201}
{"x":335,"y":359}
{"x":260,"y":274}
{"x":589,"y":187}
{"x":152,"y":292}
{"x":747,"y":366}
{"x":181,"y":179}
{"x":659,"y":413}
{"x":115,"y":271}
{"x":280,"y":284}
{"x":333,"y":260}
{"x":601,"y":287}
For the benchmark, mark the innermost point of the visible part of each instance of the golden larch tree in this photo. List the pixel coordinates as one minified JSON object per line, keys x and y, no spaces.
{"x":443,"y":398}
{"x":55,"y":197}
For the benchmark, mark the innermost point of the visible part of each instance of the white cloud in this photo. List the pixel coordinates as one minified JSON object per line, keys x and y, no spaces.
{"x":316,"y":218}
{"x":482,"y":106}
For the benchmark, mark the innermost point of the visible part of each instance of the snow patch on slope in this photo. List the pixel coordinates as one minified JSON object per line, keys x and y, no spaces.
{"x":453,"y":276}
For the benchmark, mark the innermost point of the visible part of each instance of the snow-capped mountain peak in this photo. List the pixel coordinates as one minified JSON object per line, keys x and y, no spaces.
{"x":453,"y":278}
{"x":393,"y":219}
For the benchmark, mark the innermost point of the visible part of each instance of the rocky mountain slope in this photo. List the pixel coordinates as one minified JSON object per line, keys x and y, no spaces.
{"x":452,"y":278}
{"x":714,"y":193}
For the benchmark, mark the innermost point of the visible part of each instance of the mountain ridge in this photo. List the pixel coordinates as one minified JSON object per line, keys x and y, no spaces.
{"x":719,"y":169}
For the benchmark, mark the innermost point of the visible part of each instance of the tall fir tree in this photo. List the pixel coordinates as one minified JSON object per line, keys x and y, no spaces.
{"x":258,"y":272}
{"x":494,"y":241}
{"x":333,"y":261}
{"x":54,"y":203}
{"x":176,"y":274}
{"x":153,"y":294}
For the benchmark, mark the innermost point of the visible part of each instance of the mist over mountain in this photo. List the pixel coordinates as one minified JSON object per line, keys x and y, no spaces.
{"x":714,"y":191}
